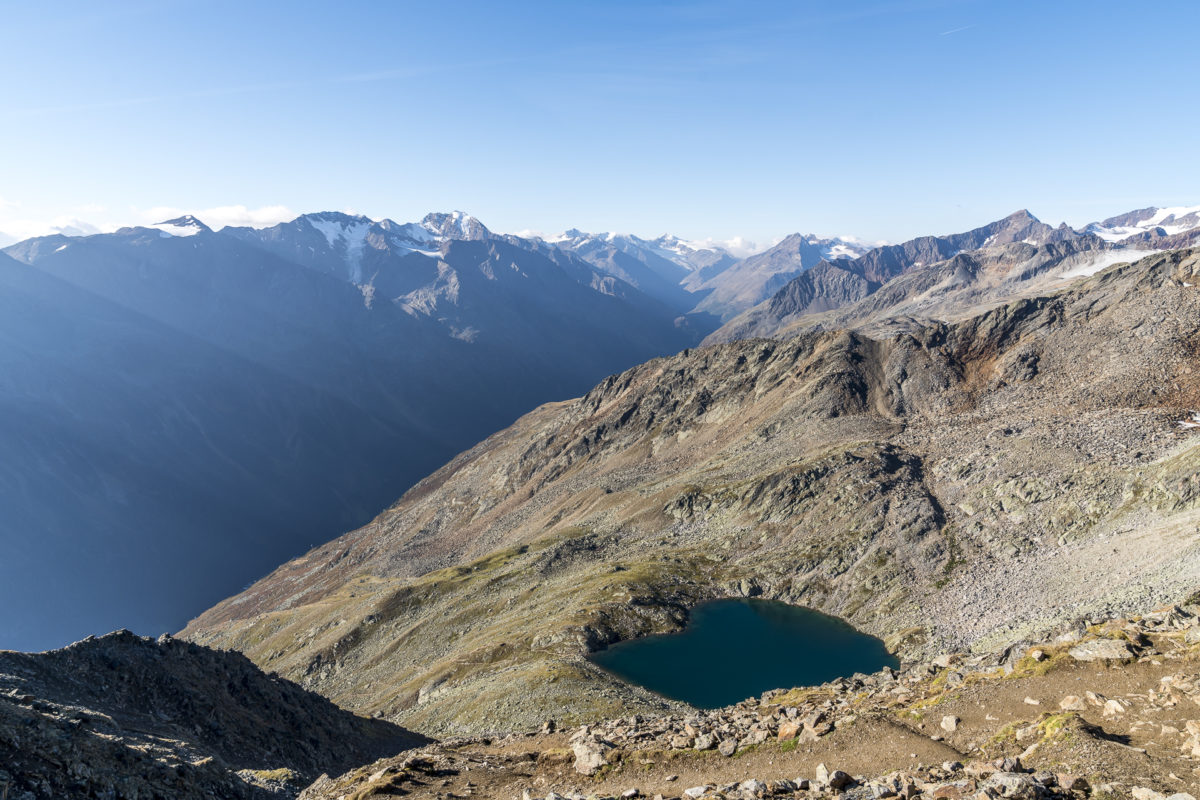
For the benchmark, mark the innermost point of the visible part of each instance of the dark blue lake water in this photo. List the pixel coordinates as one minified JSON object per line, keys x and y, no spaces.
{"x":735,"y":649}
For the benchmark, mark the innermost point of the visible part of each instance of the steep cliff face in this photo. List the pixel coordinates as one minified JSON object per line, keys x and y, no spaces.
{"x":948,"y":485}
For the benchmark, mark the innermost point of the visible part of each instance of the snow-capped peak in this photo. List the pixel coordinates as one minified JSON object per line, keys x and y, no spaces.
{"x":1171,"y":220}
{"x":344,"y":233}
{"x":341,"y":228}
{"x":187,"y":225}
{"x":681,"y":252}
{"x":454,"y":225}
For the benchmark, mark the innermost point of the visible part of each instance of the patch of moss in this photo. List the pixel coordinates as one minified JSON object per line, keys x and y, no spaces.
{"x":1057,"y":725}
{"x":1028,"y":666}
{"x":796,"y":697}
{"x":281,"y":775}
{"x":1003,"y":738}
{"x":747,"y":750}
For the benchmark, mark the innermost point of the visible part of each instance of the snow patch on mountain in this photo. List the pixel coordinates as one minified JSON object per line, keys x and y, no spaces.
{"x":347,"y":234}
{"x":1170,"y":220}
{"x":843,"y":250}
{"x":454,"y":225}
{"x":1165,"y":216}
{"x":186,"y":225}
{"x":350,"y":233}
{"x":681,"y":252}
{"x":1102,"y":261}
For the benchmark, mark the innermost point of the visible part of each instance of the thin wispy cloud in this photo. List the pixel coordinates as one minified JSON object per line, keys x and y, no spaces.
{"x":270,"y":86}
{"x":956,"y":30}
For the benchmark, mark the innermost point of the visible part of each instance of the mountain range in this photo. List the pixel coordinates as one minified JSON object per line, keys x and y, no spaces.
{"x":226,"y":399}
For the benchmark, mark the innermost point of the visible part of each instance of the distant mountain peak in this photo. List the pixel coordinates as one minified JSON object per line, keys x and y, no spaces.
{"x":187,"y":225}
{"x":455,"y":225}
{"x":335,"y":216}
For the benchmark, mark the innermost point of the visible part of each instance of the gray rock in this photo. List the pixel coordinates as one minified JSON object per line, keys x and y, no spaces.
{"x":590,"y":755}
{"x":834,"y":779}
{"x":1017,"y":785}
{"x":1102,"y":650}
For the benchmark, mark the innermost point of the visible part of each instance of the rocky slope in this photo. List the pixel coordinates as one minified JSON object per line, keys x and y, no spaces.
{"x":955,"y":485}
{"x":951,"y":289}
{"x":125,"y":717}
{"x":1105,"y":709}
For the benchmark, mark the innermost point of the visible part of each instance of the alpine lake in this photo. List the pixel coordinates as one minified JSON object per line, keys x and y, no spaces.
{"x":735,"y":649}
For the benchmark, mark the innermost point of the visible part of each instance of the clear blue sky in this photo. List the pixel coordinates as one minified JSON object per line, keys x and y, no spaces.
{"x":877,"y":119}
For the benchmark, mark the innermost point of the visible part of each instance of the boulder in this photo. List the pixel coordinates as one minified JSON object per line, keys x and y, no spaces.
{"x":590,"y":755}
{"x":788,"y":730}
{"x":1072,"y":703}
{"x":755,"y":737}
{"x":1073,"y":783}
{"x":834,"y":779}
{"x":753,"y":786}
{"x":1016,"y":785}
{"x":1101,"y":650}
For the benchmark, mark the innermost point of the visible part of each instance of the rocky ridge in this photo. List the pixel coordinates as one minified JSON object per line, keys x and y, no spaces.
{"x":121,"y":716}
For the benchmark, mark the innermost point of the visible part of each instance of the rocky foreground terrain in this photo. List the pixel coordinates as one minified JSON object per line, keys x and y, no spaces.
{"x":1105,"y":709}
{"x":121,"y":716}
{"x":950,"y":486}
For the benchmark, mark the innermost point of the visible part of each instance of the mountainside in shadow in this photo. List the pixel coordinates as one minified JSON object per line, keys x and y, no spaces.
{"x":123,"y":716}
{"x":176,"y":395}
{"x":945,"y":486}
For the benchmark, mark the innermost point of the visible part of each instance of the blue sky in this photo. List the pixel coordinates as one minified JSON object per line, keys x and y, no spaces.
{"x":881,"y":120}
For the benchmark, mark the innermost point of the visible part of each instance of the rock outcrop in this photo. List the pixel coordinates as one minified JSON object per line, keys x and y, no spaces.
{"x":121,"y":716}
